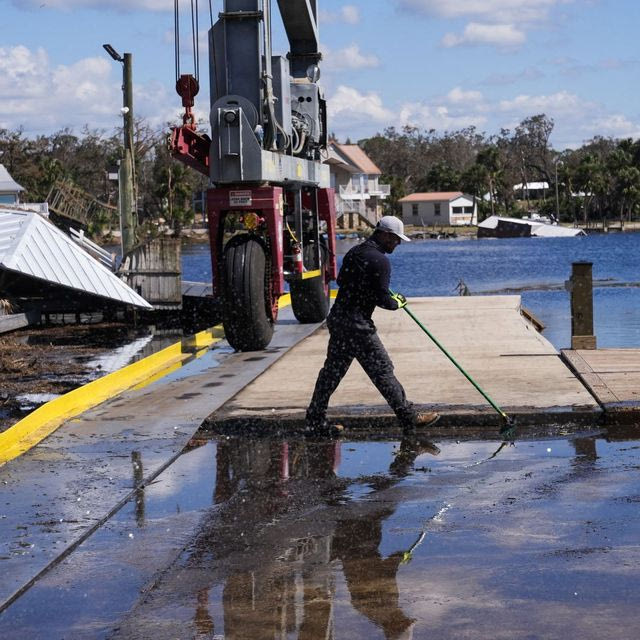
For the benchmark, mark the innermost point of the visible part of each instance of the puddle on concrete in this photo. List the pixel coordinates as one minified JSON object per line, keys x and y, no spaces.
{"x":288,"y":538}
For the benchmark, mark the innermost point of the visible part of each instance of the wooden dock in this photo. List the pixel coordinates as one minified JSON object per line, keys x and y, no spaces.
{"x":488,"y":335}
{"x":612,"y":376}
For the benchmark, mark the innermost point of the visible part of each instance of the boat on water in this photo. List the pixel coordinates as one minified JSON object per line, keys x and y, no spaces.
{"x":501,"y":227}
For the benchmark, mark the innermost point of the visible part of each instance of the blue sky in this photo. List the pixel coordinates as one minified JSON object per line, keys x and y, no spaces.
{"x":441,"y":64}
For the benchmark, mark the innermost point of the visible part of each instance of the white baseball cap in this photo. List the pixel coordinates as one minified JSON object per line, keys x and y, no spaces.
{"x":394,"y":225}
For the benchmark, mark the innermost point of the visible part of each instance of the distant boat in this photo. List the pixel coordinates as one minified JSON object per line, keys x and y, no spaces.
{"x":500,"y":227}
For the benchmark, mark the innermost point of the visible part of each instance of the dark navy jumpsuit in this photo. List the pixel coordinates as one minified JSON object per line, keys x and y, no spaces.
{"x":364,"y":284}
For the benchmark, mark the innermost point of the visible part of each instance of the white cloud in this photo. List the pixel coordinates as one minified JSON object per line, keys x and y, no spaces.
{"x":501,"y":23}
{"x":528,"y":74}
{"x":118,"y":5}
{"x":43,"y":98}
{"x":459,"y":96}
{"x":349,"y":14}
{"x":475,"y":33}
{"x":615,"y":125}
{"x":459,"y":108}
{"x":348,"y":58}
{"x":561,"y":102}
{"x":500,"y":11}
{"x":353,"y":114}
{"x":576,"y":120}
{"x":356,"y":115}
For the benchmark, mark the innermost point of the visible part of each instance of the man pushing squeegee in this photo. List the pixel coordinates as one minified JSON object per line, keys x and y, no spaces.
{"x":364,"y":284}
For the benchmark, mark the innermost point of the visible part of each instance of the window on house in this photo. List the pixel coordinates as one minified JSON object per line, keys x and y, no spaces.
{"x":365,"y":183}
{"x":414,"y":210}
{"x":457,"y":209}
{"x":8,"y":198}
{"x":436,"y":209}
{"x":468,"y":209}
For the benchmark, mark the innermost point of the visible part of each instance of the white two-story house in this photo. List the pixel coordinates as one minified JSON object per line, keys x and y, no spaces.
{"x":355,"y":178}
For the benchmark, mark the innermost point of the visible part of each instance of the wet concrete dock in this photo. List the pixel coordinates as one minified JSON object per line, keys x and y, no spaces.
{"x":519,"y":369}
{"x":284,"y":537}
{"x":150,"y":531}
{"x":66,"y":487}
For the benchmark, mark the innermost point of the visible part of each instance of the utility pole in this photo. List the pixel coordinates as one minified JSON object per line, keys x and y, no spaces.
{"x":127,"y":174}
{"x":127,"y":170}
{"x":556,"y":163}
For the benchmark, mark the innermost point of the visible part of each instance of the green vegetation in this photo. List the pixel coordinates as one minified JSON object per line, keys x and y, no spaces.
{"x":598,"y":181}
{"x":165,"y":187}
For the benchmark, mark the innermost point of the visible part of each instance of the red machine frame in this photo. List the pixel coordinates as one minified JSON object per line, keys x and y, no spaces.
{"x":268,"y":203}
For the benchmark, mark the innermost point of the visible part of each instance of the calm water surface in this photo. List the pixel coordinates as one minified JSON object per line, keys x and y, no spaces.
{"x":535,"y":268}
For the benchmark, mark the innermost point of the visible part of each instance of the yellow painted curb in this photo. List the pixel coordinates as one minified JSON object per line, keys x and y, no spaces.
{"x":44,"y":420}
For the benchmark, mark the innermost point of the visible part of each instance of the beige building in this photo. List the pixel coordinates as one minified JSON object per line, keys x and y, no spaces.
{"x":446,"y":208}
{"x":355,"y":178}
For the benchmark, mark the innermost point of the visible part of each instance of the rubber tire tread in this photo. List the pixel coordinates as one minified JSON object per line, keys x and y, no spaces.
{"x":310,"y":300}
{"x":247,"y":325}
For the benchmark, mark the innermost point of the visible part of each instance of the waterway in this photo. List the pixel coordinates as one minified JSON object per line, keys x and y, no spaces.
{"x":535,"y":268}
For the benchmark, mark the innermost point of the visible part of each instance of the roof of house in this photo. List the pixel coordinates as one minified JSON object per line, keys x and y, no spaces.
{"x":7,"y":183}
{"x":357,"y":157}
{"x":433,"y":196}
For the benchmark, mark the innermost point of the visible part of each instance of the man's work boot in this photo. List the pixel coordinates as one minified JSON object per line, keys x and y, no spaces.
{"x":426,"y":419}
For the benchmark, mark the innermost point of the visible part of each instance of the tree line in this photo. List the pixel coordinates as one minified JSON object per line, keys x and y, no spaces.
{"x":599,"y":180}
{"x":165,"y":187}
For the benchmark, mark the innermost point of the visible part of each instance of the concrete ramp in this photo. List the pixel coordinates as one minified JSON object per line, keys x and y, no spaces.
{"x":519,"y":369}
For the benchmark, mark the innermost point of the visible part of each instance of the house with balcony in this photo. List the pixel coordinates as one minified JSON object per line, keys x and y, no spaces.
{"x":355,"y":178}
{"x":439,"y":208}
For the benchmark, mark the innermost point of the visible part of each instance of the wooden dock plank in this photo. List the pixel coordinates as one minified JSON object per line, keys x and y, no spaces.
{"x":487,"y":335}
{"x":612,"y":375}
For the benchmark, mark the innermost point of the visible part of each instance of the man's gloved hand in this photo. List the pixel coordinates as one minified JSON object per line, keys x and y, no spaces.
{"x":400,"y":299}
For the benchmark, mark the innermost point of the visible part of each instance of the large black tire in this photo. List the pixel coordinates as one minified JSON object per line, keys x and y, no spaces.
{"x":310,"y":298}
{"x":247,"y":322}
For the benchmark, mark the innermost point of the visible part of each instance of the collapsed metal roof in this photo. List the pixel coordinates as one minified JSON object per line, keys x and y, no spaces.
{"x":35,"y":252}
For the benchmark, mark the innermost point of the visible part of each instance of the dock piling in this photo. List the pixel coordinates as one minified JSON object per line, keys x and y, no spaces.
{"x":581,"y":288}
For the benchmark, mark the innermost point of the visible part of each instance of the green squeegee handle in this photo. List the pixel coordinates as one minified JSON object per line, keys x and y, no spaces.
{"x":502,"y":414}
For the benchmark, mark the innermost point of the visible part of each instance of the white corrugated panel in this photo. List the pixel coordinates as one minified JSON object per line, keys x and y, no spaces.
{"x":492,"y":221}
{"x":10,"y":226}
{"x":555,"y":231}
{"x":34,"y":247}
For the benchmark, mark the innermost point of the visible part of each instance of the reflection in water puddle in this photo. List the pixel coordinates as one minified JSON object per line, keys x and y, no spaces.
{"x":264,"y":538}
